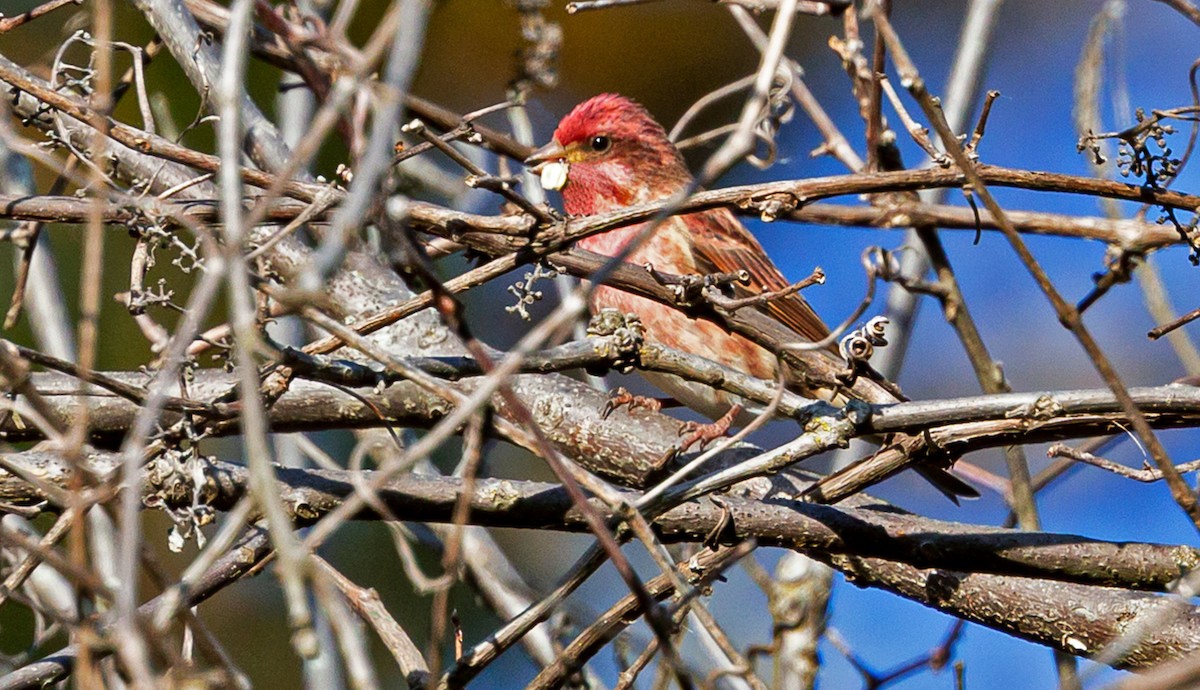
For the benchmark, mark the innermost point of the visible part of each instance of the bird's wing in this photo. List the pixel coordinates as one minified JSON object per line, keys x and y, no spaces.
{"x":722,"y":244}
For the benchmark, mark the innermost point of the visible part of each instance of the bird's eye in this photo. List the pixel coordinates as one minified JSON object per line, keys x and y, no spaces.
{"x":601,"y":143}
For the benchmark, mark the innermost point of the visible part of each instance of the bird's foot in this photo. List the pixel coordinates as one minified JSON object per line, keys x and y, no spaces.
{"x":695,"y":433}
{"x":623,"y":398}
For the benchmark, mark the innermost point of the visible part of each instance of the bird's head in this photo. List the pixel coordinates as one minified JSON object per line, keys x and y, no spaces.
{"x":609,"y":153}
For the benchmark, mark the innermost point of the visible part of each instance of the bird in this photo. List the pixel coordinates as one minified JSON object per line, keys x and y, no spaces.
{"x":609,"y":153}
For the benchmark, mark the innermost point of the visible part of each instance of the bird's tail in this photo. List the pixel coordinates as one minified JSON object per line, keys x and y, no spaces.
{"x":899,"y":453}
{"x":951,"y":487}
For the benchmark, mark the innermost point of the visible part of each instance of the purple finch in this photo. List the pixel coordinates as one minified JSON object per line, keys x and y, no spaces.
{"x":609,"y":153}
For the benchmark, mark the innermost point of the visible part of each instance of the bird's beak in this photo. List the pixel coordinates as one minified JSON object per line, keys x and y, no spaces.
{"x":547,"y":153}
{"x":550,"y":164}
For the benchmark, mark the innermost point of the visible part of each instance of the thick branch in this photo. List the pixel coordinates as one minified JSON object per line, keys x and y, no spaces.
{"x":1077,"y":619}
{"x":877,"y":545}
{"x":868,"y":528}
{"x":620,"y":446}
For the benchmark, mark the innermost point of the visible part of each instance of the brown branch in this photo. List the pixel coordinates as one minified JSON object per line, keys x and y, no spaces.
{"x":622,"y":446}
{"x":1059,"y":450}
{"x":866,"y":527}
{"x":875,"y":544}
{"x":1072,"y":618}
{"x":10,"y":23}
{"x":1130,"y":235}
{"x":366,"y":603}
{"x":1160,"y":331}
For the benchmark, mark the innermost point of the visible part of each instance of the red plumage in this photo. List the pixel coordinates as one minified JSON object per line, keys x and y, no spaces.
{"x":641,"y":165}
{"x":616,"y":155}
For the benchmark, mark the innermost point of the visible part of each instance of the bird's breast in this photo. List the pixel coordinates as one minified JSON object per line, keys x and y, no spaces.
{"x":670,"y":327}
{"x":667,"y":249}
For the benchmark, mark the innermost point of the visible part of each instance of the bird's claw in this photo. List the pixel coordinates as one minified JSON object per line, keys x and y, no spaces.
{"x":623,"y":398}
{"x":696,"y":433}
